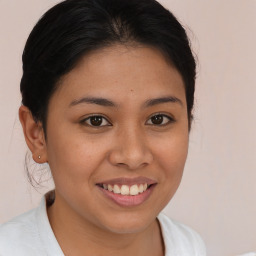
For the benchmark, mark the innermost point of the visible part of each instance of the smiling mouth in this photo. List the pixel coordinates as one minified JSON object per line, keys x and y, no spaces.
{"x":126,"y":190}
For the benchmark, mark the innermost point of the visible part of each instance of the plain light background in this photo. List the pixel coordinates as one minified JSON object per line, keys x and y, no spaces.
{"x":217,"y":196}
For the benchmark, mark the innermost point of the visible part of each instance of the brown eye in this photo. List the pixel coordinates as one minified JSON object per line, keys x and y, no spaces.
{"x":96,"y":121}
{"x":160,"y":120}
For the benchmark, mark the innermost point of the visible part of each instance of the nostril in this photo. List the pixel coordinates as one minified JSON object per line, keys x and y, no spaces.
{"x":129,"y":157}
{"x":122,"y":164}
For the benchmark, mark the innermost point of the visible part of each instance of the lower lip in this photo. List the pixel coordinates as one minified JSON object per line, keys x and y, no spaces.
{"x":127,"y":201}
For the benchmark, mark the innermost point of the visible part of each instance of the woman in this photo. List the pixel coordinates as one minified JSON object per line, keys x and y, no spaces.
{"x":107,"y":98}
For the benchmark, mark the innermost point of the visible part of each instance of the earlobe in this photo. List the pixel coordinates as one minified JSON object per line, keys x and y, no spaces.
{"x":34,"y":135}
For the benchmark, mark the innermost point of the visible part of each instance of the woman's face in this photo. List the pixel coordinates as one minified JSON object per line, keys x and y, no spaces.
{"x":118,"y":121}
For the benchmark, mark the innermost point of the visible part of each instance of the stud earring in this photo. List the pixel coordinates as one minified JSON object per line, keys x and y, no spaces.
{"x":39,"y":157}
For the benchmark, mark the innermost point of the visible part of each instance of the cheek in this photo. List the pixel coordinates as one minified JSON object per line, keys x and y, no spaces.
{"x":171,"y":155}
{"x":72,"y":157}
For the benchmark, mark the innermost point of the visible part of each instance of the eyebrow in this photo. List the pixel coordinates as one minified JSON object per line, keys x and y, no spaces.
{"x":93,"y":100}
{"x":108,"y":103}
{"x":153,"y":102}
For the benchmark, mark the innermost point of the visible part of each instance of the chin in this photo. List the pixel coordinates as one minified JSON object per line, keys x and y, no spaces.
{"x":129,"y":223}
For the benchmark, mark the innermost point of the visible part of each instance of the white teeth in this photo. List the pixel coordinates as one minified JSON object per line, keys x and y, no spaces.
{"x":134,"y":190}
{"x":110,"y":188}
{"x":116,"y":189}
{"x":141,"y":189}
{"x":125,"y":190}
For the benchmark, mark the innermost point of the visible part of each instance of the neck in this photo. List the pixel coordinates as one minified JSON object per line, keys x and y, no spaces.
{"x":76,"y":236}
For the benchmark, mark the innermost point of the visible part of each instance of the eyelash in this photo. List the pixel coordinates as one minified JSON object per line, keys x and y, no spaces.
{"x":89,"y":118}
{"x":104,"y":119}
{"x":169,"y":121}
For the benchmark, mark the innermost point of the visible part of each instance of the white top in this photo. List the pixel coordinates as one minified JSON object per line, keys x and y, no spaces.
{"x":30,"y":234}
{"x":248,"y":254}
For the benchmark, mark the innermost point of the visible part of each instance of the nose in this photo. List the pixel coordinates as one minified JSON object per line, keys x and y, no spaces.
{"x":130,"y":150}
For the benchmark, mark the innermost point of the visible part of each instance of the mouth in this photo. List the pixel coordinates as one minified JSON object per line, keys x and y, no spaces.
{"x":127,"y":192}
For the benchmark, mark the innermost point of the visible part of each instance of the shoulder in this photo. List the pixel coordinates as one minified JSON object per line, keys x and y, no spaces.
{"x":19,"y":236}
{"x":248,"y":254}
{"x":180,"y":239}
{"x":30,"y":234}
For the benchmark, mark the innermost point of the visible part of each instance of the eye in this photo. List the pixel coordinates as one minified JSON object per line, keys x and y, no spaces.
{"x":96,"y":121}
{"x":160,"y":119}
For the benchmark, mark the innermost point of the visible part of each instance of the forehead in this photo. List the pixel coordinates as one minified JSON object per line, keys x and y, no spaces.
{"x":119,"y":71}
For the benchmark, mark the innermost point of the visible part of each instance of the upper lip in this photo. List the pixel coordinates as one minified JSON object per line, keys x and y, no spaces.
{"x":129,"y":181}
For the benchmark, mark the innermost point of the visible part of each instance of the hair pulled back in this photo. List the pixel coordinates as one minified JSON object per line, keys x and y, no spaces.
{"x":72,"y":28}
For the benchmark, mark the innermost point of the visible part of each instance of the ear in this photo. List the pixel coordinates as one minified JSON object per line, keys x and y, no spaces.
{"x":34,"y":135}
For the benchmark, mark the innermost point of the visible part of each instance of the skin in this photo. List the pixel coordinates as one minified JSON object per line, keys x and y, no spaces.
{"x":128,"y":145}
